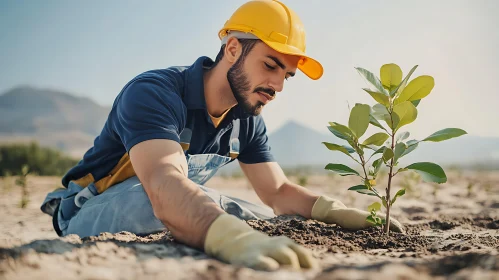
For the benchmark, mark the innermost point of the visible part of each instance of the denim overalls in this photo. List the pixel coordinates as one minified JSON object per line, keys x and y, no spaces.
{"x":126,"y":207}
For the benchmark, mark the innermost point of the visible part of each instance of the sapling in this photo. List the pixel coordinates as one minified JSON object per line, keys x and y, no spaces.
{"x":397,"y":100}
{"x":373,"y":218}
{"x":470,"y":189}
{"x":22,"y":181}
{"x":302,"y":180}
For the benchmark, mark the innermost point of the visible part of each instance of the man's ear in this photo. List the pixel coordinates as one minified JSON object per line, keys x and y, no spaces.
{"x":232,"y":50}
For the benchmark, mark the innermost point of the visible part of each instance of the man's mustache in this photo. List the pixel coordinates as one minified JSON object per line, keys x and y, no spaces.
{"x":266,"y":90}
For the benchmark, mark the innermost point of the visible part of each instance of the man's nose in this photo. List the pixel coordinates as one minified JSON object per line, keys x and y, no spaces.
{"x":277,"y":84}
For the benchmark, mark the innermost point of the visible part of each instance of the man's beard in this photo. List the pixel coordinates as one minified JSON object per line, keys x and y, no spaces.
{"x":240,"y":86}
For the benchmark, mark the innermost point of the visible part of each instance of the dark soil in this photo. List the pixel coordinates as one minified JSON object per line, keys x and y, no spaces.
{"x":430,"y":239}
{"x":316,"y":235}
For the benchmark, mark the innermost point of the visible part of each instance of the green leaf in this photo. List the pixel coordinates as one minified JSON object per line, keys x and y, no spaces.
{"x":338,"y":134}
{"x":358,"y":187}
{"x":370,"y":147}
{"x":375,"y":122}
{"x":371,"y":220}
{"x":401,"y":192}
{"x":402,"y":136}
{"x":341,"y":169}
{"x":393,"y":120}
{"x":391,"y":76}
{"x":355,"y":146}
{"x":410,"y":147}
{"x":415,"y":102}
{"x":406,"y":112}
{"x":334,"y":147}
{"x":380,"y":150}
{"x":445,"y":134}
{"x":342,"y":129}
{"x":418,"y":88}
{"x":383,"y":200}
{"x":362,"y":189}
{"x":402,"y":170}
{"x":430,"y":172}
{"x":379,"y":112}
{"x":387,"y":154}
{"x":412,"y":142}
{"x":401,"y":86}
{"x":399,"y":151}
{"x":376,"y":139}
{"x":377,"y":166}
{"x":379,"y":97}
{"x":372,"y":79}
{"x":376,"y":206}
{"x":359,"y":119}
{"x":25,"y":169}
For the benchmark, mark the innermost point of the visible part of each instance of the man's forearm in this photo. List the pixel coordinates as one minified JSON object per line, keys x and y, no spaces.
{"x":292,"y":199}
{"x":183,"y":207}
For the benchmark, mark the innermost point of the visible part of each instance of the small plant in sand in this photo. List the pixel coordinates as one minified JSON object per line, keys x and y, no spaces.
{"x":302,"y":180}
{"x":373,"y":218}
{"x":470,"y":188}
{"x":397,"y":100}
{"x":22,"y":181}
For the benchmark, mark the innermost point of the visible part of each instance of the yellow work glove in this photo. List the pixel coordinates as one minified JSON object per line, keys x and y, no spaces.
{"x":333,"y":211}
{"x":232,"y":240}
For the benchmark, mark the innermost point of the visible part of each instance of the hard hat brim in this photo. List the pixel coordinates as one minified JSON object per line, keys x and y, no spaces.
{"x":309,"y":66}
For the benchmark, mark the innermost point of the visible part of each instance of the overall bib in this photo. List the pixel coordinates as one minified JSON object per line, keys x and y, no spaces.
{"x":126,"y":207}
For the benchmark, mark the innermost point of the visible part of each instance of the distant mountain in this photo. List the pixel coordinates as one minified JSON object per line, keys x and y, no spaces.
{"x":54,"y":118}
{"x":70,"y":123}
{"x":295,"y":144}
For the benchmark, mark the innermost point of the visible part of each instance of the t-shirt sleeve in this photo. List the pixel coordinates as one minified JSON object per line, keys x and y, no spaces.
{"x":258,"y":148}
{"x":149,"y":108}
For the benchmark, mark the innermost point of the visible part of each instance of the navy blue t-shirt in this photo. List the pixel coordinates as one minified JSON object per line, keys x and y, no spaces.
{"x":156,"y":105}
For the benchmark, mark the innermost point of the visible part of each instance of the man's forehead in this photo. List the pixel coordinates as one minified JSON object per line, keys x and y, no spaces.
{"x":289,"y":61}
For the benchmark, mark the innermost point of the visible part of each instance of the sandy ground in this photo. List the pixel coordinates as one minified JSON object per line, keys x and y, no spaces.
{"x":452,"y":233}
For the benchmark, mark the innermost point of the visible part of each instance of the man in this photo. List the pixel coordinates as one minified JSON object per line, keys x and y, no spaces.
{"x":169,"y":131}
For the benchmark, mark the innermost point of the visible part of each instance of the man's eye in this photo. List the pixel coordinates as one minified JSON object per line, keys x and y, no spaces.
{"x":268,"y":66}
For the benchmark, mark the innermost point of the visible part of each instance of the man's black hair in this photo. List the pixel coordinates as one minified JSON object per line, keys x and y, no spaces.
{"x":247,"y":45}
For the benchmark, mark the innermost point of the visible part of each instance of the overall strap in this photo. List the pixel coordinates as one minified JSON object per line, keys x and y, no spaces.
{"x":234,"y":145}
{"x":186,"y":134}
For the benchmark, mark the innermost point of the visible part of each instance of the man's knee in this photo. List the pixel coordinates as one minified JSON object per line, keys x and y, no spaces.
{"x":123,"y":207}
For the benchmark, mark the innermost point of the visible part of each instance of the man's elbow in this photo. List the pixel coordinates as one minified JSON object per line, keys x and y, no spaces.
{"x":272,"y":199}
{"x":279,"y":201}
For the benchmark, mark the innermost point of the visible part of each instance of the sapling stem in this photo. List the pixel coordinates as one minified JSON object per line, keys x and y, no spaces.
{"x":388,"y":201}
{"x":364,"y":166}
{"x":390,"y":175}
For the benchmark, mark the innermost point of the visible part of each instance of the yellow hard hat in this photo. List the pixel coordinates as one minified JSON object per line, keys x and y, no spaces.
{"x":276,"y":25}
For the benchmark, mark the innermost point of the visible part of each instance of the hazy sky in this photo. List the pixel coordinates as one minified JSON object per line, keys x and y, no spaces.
{"x":92,"y":48}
